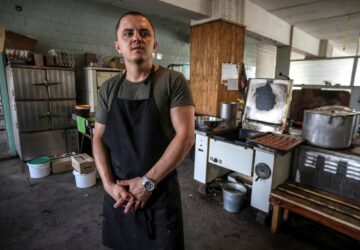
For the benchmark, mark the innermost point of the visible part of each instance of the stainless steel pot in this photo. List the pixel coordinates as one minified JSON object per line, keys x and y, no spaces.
{"x":329,"y":127}
{"x":228,"y":112}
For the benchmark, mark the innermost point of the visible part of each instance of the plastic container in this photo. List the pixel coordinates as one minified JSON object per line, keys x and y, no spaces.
{"x":85,"y":180}
{"x":39,"y":167}
{"x":233,"y":196}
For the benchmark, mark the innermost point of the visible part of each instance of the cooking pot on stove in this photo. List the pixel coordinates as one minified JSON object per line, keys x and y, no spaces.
{"x":228,"y":112}
{"x":330,"y":127}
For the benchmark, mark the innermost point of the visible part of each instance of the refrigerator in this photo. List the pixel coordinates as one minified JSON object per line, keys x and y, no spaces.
{"x":41,"y":102}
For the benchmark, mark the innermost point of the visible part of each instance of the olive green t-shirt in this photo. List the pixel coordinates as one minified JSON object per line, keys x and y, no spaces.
{"x":170,"y":89}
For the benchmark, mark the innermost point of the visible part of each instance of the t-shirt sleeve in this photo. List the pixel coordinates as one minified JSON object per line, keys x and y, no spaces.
{"x":102,"y":105}
{"x":180,"y":93}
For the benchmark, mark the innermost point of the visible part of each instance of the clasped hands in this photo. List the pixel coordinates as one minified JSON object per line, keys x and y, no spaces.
{"x":130,"y":194}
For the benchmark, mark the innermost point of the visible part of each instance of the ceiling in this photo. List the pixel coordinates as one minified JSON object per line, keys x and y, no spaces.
{"x":335,"y":20}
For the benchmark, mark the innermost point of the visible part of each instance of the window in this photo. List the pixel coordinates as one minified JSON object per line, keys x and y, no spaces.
{"x":357,"y":74}
{"x":317,"y":72}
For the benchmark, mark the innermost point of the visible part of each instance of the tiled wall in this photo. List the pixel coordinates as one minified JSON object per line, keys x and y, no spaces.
{"x":87,"y":26}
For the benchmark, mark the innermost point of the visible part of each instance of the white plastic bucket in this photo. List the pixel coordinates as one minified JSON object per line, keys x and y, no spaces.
{"x":233,"y":196}
{"x":39,"y":167}
{"x":85,"y":180}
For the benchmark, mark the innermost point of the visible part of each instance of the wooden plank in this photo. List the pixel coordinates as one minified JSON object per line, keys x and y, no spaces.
{"x":349,"y":211}
{"x":316,"y":209}
{"x":315,"y":216}
{"x":275,"y":219}
{"x":285,"y":215}
{"x":347,"y":202}
{"x":211,"y":44}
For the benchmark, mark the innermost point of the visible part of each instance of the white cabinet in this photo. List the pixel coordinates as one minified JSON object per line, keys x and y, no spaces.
{"x":92,"y":79}
{"x":204,"y":171}
{"x":278,"y":167}
{"x":230,"y":156}
{"x":201,"y":154}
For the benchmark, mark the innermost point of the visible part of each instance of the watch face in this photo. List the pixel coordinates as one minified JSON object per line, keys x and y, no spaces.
{"x":149,"y":186}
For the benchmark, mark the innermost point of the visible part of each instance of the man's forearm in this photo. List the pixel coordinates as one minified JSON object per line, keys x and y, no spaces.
{"x":102,"y":162}
{"x":172,"y":157}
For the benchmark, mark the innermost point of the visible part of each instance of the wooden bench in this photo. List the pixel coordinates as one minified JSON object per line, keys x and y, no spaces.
{"x":328,"y":209}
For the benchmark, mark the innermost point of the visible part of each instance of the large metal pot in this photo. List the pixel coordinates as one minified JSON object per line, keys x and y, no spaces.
{"x":228,"y":112}
{"x":330,"y":127}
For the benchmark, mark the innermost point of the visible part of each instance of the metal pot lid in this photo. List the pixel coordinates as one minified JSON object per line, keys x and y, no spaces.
{"x":332,"y":111}
{"x":337,"y":108}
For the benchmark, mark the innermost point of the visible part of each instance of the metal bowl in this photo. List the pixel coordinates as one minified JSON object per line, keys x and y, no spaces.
{"x":207,"y":122}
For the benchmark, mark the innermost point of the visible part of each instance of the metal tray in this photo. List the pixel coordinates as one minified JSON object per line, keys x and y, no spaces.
{"x":278,"y":143}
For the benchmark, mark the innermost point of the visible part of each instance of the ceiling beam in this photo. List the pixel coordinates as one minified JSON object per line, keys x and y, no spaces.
{"x":294,"y":6}
{"x":329,"y":18}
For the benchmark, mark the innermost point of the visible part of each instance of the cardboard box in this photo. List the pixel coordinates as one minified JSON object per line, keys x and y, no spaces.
{"x":50,"y":60}
{"x":61,"y":165}
{"x":12,"y":40}
{"x":116,"y":63}
{"x":39,"y":59}
{"x":90,"y":58}
{"x":83,"y":163}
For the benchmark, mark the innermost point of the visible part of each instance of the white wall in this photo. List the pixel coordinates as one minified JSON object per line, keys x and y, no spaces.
{"x":260,"y":21}
{"x":266,"y":61}
{"x":250,"y":56}
{"x":304,"y":42}
{"x":199,"y":6}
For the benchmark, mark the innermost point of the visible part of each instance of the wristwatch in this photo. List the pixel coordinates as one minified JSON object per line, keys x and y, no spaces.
{"x":148,"y":184}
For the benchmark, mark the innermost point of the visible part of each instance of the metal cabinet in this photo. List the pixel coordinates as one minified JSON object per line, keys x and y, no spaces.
{"x":61,"y":84}
{"x":60,"y":112}
{"x":41,"y":101}
{"x":91,"y":80}
{"x":27,"y":83}
{"x":32,"y":116}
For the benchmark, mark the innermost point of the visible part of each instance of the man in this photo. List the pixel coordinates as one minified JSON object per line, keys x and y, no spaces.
{"x":144,"y":128}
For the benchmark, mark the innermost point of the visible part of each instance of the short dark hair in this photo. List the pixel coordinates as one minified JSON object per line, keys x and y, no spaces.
{"x":132,"y":13}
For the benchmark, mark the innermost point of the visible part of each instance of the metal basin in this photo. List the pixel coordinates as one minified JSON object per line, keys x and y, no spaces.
{"x":207,"y":122}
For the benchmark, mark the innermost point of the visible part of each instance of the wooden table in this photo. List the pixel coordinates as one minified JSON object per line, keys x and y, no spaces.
{"x":338,"y":213}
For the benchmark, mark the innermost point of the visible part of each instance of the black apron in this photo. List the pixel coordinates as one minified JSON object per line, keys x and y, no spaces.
{"x":136,"y":140}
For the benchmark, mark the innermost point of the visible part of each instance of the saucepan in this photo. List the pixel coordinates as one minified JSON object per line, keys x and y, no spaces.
{"x":207,"y":122}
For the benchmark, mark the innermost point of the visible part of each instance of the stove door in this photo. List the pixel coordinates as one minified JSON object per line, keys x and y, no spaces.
{"x":267,"y":104}
{"x":271,"y":171}
{"x":231,"y":156}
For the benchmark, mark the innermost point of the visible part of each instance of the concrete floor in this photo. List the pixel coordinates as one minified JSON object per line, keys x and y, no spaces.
{"x":51,"y":213}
